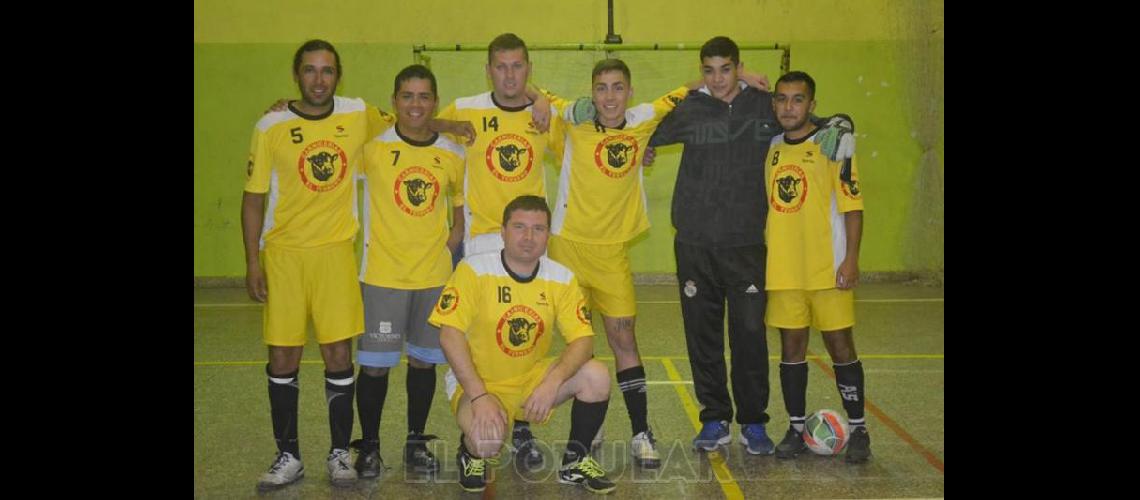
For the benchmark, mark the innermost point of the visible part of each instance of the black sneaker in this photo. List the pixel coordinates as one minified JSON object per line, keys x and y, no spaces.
{"x":368,"y":463}
{"x":526,"y":448}
{"x":472,"y":470}
{"x":588,"y":473}
{"x":792,"y":444}
{"x":417,"y":456}
{"x":859,"y":447}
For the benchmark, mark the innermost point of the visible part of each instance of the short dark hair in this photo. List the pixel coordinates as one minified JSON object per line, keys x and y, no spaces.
{"x":526,"y":202}
{"x":798,"y":76}
{"x":611,"y":65}
{"x":414,"y":71}
{"x":721,"y":46}
{"x":506,"y":41}
{"x":314,"y":45}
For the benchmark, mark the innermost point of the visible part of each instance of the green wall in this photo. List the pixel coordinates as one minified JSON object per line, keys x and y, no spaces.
{"x":878,"y":60}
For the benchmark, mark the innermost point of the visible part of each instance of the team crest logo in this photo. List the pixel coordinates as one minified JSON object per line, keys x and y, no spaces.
{"x":322,"y":165}
{"x":519,"y":330}
{"x":448,"y":301}
{"x":616,"y":155}
{"x":510,"y":157}
{"x":789,"y":189}
{"x":690,"y":289}
{"x":249,"y":167}
{"x":848,"y":184}
{"x":584,"y":312}
{"x":416,"y":190}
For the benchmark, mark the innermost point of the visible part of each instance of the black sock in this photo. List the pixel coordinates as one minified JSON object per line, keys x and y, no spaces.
{"x":793,"y":383}
{"x":632,"y":384}
{"x":283,"y":391}
{"x":849,"y":381}
{"x":585,"y":420}
{"x":339,"y":389}
{"x":421,"y":390}
{"x":370,"y":395}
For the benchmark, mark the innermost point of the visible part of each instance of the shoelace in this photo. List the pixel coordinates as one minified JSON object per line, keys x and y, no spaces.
{"x":751,"y":433}
{"x":591,"y":468}
{"x":340,"y":461}
{"x":710,"y":430}
{"x":280,"y":463}
{"x":475,"y":466}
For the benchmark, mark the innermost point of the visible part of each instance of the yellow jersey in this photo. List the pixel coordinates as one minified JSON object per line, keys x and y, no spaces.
{"x":601,"y":190}
{"x":509,"y":321}
{"x":409,"y":184}
{"x":807,"y":196}
{"x":307,"y":165}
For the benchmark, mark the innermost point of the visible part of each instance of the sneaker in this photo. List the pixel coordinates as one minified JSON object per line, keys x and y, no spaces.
{"x":286,"y":469}
{"x":417,"y":456}
{"x":340,"y":473}
{"x":792,"y":444}
{"x":859,"y":447}
{"x":526,"y":448}
{"x":713,"y":434}
{"x":643,"y":447}
{"x":472,"y":471}
{"x":756,"y":439}
{"x":588,"y":473}
{"x":368,"y":462}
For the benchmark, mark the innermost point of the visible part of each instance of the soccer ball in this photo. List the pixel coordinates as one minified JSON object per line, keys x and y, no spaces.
{"x":826,"y":432}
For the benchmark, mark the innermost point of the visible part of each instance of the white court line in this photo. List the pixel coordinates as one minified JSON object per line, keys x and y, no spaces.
{"x":878,"y":301}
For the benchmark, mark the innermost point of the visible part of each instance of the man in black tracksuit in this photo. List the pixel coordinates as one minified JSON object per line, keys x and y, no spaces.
{"x":719,"y":211}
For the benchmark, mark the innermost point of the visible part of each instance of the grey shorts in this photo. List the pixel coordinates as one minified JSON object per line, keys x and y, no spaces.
{"x":393,"y":318}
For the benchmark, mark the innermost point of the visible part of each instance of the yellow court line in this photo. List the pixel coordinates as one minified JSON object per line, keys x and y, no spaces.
{"x":724,"y":477}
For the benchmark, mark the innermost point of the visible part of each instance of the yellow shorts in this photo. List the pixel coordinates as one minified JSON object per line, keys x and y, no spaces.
{"x":825,"y":310}
{"x":321,"y":281}
{"x":603,"y":273}
{"x":512,"y":393}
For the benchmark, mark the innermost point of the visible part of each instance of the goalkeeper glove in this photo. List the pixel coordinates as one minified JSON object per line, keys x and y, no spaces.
{"x":837,"y":139}
{"x":582,"y":111}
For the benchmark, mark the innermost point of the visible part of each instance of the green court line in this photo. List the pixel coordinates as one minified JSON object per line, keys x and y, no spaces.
{"x":609,"y":358}
{"x":724,"y":476}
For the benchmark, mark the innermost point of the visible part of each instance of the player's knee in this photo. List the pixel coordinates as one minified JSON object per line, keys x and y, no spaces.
{"x":486,"y":446}
{"x":622,"y":341}
{"x":373,"y":371}
{"x":596,"y":381}
{"x":793,"y":353}
{"x":842,"y":355}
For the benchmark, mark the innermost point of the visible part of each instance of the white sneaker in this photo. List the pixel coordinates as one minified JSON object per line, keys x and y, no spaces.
{"x":285,"y":470}
{"x":643,"y":447}
{"x":340,"y":472}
